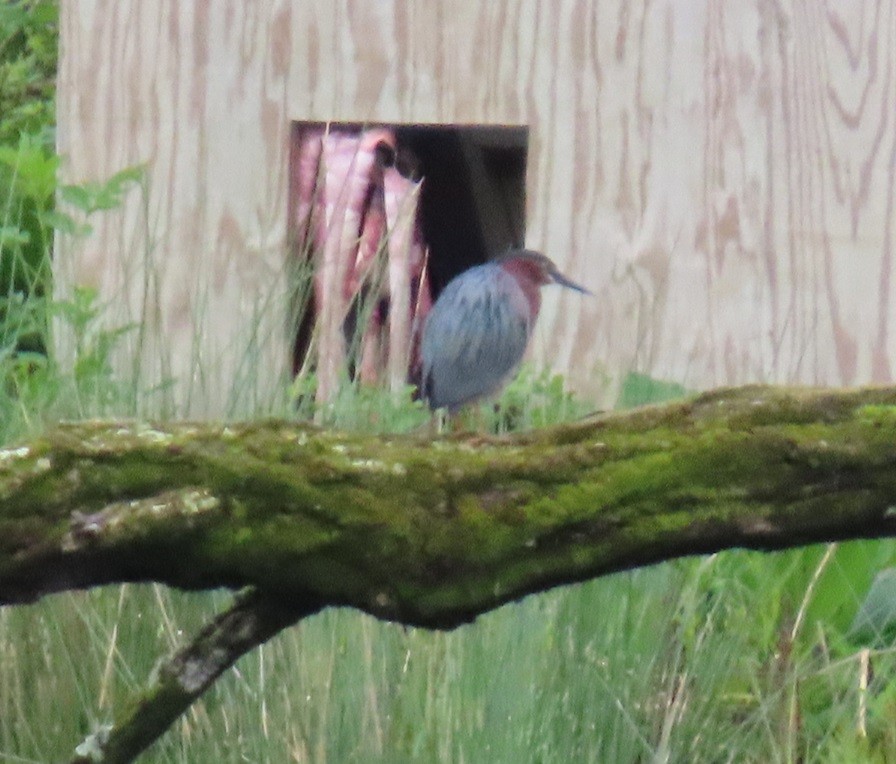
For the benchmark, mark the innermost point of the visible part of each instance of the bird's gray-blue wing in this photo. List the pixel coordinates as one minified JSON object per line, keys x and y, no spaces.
{"x":475,"y":337}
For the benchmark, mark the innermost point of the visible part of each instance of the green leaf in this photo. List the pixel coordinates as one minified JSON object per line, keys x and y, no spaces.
{"x":77,"y":196}
{"x":64,"y":223}
{"x":128,"y":176}
{"x":10,"y":235}
{"x":13,"y":16}
{"x":640,"y":389}
{"x":34,"y":167}
{"x":840,"y":587}
{"x":875,"y":621}
{"x":93,"y":196}
{"x":81,"y":310}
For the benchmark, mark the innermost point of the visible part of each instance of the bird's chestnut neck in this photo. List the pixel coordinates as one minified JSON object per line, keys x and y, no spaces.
{"x":530,"y":276}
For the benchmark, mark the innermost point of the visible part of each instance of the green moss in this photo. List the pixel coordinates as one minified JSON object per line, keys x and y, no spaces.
{"x":462,"y":523}
{"x":879,"y":416}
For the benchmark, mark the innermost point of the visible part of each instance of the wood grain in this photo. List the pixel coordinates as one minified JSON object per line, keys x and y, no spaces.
{"x":720,"y":174}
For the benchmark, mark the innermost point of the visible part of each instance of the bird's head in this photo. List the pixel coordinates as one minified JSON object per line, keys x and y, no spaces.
{"x":533,"y":269}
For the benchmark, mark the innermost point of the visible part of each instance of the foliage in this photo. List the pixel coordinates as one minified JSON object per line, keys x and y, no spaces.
{"x":534,"y":398}
{"x":32,"y":383}
{"x":875,"y":622}
{"x":28,"y":42}
{"x":639,"y":389}
{"x":28,"y":54}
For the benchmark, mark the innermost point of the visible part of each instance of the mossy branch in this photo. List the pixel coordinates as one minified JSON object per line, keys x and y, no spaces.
{"x":434,"y":532}
{"x":426,"y":532}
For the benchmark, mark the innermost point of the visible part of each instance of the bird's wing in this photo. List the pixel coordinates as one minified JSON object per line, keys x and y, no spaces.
{"x":475,"y":337}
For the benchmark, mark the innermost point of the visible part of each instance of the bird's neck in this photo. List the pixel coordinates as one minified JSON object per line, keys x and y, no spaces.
{"x":528,"y":276}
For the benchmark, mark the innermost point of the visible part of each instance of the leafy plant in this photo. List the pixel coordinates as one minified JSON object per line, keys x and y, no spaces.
{"x":533,"y":398}
{"x":29,"y":31}
{"x":28,"y":52}
{"x":639,"y":389}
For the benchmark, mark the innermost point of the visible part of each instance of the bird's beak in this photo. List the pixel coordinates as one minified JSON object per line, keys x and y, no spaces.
{"x":563,"y":281}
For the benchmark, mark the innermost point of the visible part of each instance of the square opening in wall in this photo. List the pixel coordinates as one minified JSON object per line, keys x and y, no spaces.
{"x":381,"y":218}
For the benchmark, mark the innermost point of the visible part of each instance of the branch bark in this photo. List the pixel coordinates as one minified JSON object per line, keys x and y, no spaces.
{"x":252,"y":620}
{"x":430,"y":533}
{"x":433,"y":533}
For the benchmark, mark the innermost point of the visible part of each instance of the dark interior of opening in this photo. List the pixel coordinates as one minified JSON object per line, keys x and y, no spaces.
{"x":473,"y":200}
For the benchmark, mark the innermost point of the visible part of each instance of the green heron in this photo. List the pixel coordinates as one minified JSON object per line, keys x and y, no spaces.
{"x":477,"y":332}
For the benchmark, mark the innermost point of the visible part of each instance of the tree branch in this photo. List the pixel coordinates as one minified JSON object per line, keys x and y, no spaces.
{"x":434,"y":533}
{"x":252,"y":620}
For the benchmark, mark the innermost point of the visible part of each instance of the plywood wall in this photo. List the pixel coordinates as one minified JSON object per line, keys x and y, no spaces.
{"x":720,"y":174}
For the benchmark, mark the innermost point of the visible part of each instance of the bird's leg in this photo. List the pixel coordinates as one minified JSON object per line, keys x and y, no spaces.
{"x":467,"y":420}
{"x":477,"y":421}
